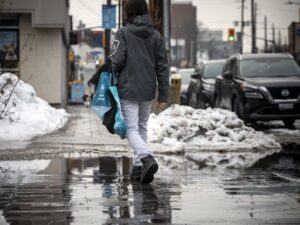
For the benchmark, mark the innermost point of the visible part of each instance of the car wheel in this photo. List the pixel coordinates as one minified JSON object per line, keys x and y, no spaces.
{"x":289,"y":123}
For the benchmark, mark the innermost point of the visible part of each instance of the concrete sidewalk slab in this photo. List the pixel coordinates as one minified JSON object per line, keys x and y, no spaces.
{"x":84,"y":134}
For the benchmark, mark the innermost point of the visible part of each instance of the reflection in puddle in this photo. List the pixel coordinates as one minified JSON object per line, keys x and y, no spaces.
{"x":74,"y":191}
{"x":99,"y":191}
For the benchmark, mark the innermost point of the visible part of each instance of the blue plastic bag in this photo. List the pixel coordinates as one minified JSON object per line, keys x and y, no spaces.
{"x":106,"y":104}
{"x":101,"y":103}
{"x":120,"y":127}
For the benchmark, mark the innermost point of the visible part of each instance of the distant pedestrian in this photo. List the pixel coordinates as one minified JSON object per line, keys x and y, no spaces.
{"x":138,"y":54}
{"x":106,"y":67}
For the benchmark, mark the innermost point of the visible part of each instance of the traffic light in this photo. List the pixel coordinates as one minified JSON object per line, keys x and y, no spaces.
{"x":231,"y":34}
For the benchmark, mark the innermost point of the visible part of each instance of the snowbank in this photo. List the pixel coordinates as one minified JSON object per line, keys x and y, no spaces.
{"x":211,"y":136}
{"x":25,"y":115}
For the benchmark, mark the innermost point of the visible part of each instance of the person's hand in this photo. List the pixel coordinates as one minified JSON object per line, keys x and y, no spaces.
{"x":162,"y":105}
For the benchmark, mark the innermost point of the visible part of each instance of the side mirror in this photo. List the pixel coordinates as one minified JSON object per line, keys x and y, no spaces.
{"x":227,"y":75}
{"x":195,"y":75}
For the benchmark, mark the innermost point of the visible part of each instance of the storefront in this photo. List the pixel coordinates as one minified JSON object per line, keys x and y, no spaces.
{"x":9,"y":43}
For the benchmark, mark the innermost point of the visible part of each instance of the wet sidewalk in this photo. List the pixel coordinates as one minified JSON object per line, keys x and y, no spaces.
{"x":80,"y":176}
{"x":83,"y":136}
{"x":99,"y":191}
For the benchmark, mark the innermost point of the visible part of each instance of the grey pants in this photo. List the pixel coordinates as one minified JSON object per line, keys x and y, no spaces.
{"x":136,"y":115}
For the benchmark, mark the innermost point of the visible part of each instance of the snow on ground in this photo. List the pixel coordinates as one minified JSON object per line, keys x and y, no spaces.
{"x":26,"y":115}
{"x":213,"y":137}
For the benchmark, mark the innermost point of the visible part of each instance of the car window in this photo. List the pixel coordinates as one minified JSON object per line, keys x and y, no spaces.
{"x":212,"y":70}
{"x":269,"y":67}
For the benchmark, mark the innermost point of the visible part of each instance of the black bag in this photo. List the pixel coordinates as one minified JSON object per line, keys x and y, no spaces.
{"x":110,"y":115}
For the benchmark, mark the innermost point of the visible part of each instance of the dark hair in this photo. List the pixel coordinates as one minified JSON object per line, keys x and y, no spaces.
{"x":135,"y":8}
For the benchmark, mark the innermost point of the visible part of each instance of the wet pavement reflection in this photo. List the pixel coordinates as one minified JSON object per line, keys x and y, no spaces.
{"x":99,"y":191}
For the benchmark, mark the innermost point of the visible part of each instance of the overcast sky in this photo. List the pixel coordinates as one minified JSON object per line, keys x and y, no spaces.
{"x":214,"y":14}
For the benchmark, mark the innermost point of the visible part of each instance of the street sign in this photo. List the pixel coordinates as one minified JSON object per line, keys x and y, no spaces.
{"x":108,"y":16}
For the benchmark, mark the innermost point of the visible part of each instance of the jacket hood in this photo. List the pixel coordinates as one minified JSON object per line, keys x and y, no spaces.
{"x":141,"y":26}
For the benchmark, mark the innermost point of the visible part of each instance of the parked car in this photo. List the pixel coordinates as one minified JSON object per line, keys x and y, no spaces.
{"x":185,"y":80}
{"x":260,"y":87}
{"x":201,"y":87}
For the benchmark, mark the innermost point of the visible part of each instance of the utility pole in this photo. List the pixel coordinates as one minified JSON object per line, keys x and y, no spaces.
{"x":253,"y":21}
{"x":279,"y":38}
{"x":160,"y":13}
{"x":242,"y":26}
{"x":107,"y":37}
{"x":166,"y":26}
{"x":266,"y":38}
{"x":119,"y":6}
{"x":273,"y":38}
{"x":81,"y":27}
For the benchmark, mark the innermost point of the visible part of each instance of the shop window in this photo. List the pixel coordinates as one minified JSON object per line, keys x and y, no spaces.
{"x":9,"y":44}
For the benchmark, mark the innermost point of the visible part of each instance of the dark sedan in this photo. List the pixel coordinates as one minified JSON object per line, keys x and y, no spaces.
{"x":260,"y":87}
{"x":201,"y":87}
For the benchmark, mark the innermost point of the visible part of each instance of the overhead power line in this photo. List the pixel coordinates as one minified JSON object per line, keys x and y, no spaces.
{"x":88,"y":8}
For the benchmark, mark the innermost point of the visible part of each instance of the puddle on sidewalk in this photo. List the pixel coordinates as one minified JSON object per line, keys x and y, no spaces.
{"x":99,"y":191}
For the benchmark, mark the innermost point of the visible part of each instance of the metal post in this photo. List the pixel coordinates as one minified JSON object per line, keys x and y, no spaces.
{"x":107,"y":37}
{"x":253,"y":26}
{"x":279,"y":39}
{"x":255,"y":20}
{"x":166,"y":26}
{"x":273,"y":38}
{"x":266,"y":38}
{"x":119,"y":6}
{"x":242,"y":26}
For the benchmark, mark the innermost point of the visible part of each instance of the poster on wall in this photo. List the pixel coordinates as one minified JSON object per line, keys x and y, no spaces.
{"x":9,"y":50}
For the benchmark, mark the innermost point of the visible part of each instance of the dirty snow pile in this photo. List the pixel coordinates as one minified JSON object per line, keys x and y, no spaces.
{"x":23,"y":115}
{"x":211,"y":136}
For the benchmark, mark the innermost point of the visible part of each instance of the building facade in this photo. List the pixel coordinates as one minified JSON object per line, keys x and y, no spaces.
{"x":183,"y":34}
{"x":34,"y":42}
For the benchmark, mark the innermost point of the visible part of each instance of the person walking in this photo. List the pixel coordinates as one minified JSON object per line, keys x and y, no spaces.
{"x":139,"y":58}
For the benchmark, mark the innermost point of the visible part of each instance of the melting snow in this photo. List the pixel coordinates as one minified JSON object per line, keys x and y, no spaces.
{"x":26,"y":115}
{"x":214,"y":137}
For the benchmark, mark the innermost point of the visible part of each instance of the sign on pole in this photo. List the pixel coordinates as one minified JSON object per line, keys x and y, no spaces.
{"x":108,"y":16}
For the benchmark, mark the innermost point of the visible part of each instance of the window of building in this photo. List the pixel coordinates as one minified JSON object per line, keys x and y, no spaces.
{"x":9,"y":43}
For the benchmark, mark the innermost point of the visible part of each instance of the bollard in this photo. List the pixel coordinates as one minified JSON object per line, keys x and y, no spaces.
{"x":176,"y":82}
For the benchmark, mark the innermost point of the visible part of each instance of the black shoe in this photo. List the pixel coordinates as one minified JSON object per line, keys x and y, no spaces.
{"x":150,"y":167}
{"x":136,"y":173}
